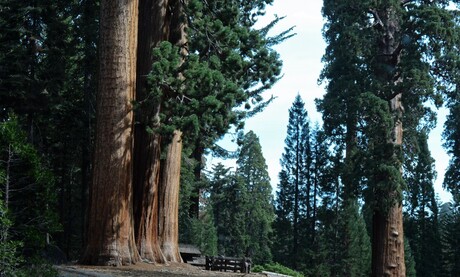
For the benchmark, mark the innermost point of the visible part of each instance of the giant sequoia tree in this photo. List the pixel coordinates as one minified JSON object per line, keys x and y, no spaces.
{"x":187,"y":90}
{"x":400,"y":49}
{"x":110,"y":235}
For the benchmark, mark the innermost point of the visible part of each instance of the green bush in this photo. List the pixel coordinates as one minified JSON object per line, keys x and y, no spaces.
{"x":38,"y":267}
{"x":277,"y":268}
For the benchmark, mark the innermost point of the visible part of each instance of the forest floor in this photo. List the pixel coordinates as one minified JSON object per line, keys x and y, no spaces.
{"x":143,"y":269}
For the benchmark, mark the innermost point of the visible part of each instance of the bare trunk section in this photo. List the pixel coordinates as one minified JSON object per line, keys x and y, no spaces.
{"x":169,"y":205}
{"x":110,"y":237}
{"x":388,"y":244}
{"x":152,"y":30}
{"x":146,"y":197}
{"x":388,"y":238}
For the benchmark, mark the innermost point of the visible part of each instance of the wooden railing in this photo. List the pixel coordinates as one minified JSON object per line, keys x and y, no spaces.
{"x":242,"y":265}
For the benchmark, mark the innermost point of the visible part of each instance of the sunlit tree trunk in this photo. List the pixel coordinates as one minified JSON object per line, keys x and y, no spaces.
{"x":110,"y":234}
{"x":169,"y":195}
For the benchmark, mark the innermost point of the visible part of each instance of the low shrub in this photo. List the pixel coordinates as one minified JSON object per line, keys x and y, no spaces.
{"x":277,"y":268}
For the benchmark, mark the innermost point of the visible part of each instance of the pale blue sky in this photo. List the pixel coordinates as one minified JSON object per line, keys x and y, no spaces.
{"x":302,"y":65}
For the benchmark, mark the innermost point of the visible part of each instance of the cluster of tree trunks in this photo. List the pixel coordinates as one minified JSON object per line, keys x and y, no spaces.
{"x":133,"y":209}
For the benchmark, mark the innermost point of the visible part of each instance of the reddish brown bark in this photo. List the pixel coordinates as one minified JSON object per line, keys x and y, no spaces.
{"x":169,"y":195}
{"x":170,"y":178}
{"x":152,"y":30}
{"x":110,"y":234}
{"x":388,"y":244}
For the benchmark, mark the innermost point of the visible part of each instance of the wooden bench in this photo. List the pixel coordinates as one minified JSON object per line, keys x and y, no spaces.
{"x":242,"y":265}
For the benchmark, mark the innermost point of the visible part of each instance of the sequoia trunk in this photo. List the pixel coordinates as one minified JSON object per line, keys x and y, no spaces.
{"x":388,"y":239}
{"x":388,"y":244}
{"x":170,"y":179}
{"x":110,"y":234}
{"x":152,"y":30}
{"x":169,"y":195}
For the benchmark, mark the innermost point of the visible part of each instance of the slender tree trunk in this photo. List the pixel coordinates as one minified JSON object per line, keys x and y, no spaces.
{"x":89,"y":93}
{"x":169,"y":204}
{"x":147,"y":146}
{"x":194,"y":209}
{"x":296,"y":219}
{"x":110,"y":239}
{"x":388,"y":238}
{"x":315,"y":193}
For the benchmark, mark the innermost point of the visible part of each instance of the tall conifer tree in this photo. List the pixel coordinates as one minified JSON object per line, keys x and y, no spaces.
{"x":259,"y":215}
{"x":402,"y":55}
{"x":421,"y":221}
{"x":294,"y":191}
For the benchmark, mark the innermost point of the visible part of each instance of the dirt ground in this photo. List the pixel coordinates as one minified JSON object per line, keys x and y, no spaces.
{"x":147,"y":270}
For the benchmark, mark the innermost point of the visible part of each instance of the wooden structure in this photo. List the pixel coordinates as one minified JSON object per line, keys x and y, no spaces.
{"x":189,"y":252}
{"x":242,"y":265}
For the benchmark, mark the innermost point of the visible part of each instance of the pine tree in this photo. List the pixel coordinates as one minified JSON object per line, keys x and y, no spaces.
{"x":28,"y":202}
{"x":229,"y":64}
{"x":283,"y":224}
{"x":410,"y":261}
{"x":357,"y":260}
{"x":228,"y":199}
{"x":451,"y":136}
{"x":48,"y":50}
{"x":421,"y":222}
{"x":258,"y":213}
{"x":294,"y":195}
{"x":330,"y":251}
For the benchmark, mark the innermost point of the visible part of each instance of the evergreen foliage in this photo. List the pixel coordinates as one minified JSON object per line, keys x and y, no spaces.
{"x":229,"y":63}
{"x":378,"y":51}
{"x":259,"y":214}
{"x":225,"y":67}
{"x":10,"y":260}
{"x":421,"y":222}
{"x":451,"y":136}
{"x":450,"y":229}
{"x":357,"y":258}
{"x":409,"y":259}
{"x":277,"y":268}
{"x":242,"y":204}
{"x":48,"y":57}
{"x":229,"y":198}
{"x":308,"y":199}
{"x":293,"y":206}
{"x":28,"y":202}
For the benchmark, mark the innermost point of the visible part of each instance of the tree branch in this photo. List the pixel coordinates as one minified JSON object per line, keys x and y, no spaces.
{"x":405,"y":2}
{"x":377,"y":20}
